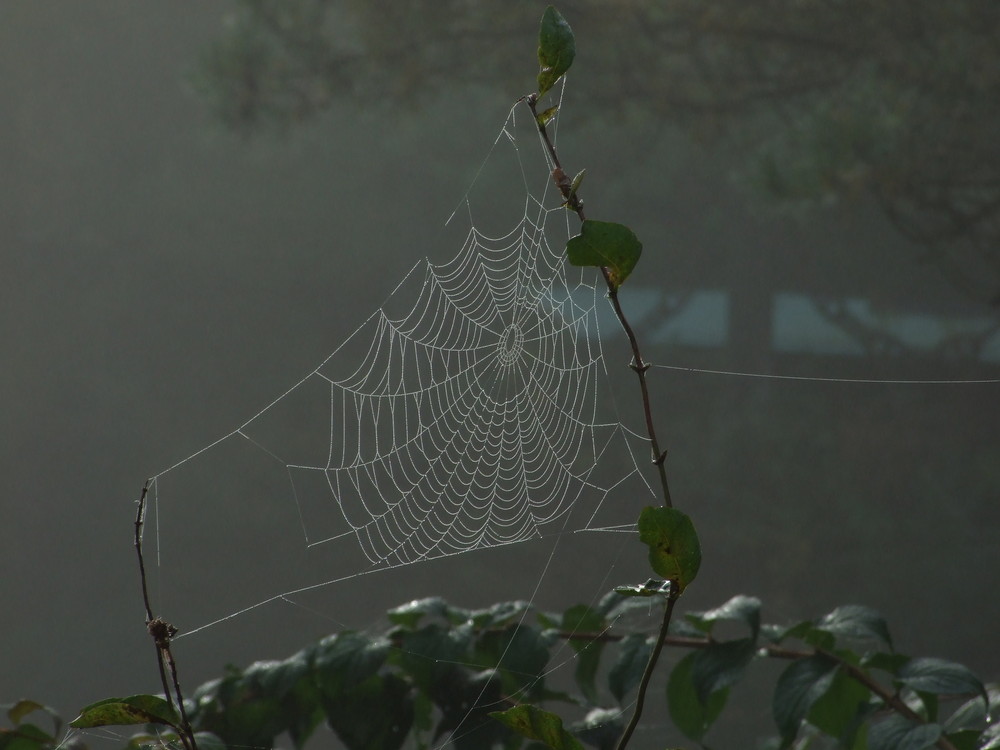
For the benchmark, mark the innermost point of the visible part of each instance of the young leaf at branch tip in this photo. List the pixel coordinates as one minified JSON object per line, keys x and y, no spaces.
{"x":556,"y":49}
{"x":674,"y":549}
{"x":545,"y":117}
{"x":605,"y":244}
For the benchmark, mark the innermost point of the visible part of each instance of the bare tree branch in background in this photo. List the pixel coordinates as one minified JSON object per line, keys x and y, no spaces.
{"x":820,"y":100}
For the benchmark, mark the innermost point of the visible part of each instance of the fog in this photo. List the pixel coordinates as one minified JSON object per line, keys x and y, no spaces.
{"x":166,"y":271}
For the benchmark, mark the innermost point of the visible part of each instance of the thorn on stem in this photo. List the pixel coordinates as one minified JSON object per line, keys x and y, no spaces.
{"x":658,"y":460}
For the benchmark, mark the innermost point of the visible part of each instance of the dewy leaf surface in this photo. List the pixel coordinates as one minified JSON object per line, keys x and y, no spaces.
{"x":556,"y":49}
{"x":856,"y":621}
{"x":674,"y":549}
{"x":136,"y":709}
{"x":942,"y":677}
{"x":689,"y":714}
{"x":798,"y":688}
{"x":605,"y":244}
{"x":536,"y":724}
{"x":897,"y":733}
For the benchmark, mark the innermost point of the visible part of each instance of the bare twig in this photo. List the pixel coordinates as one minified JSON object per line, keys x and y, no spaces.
{"x":161,"y":632}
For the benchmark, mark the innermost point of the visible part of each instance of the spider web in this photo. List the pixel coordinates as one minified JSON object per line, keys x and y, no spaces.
{"x":470,"y":411}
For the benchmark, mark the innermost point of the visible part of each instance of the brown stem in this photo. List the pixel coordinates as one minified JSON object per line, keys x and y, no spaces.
{"x":161,"y":633}
{"x":647,"y":674}
{"x":640,"y":367}
{"x":574,"y":203}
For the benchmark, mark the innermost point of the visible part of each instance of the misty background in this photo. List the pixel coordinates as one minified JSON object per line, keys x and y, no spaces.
{"x":201,"y":201}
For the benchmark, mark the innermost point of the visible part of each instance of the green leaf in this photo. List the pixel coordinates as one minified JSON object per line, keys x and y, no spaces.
{"x":464,"y":701}
{"x":24,"y":707}
{"x":720,"y":665}
{"x":583,"y":619}
{"x":674,"y":550}
{"x":536,"y":724}
{"x":545,"y":117}
{"x":689,"y":714}
{"x":970,"y":715}
{"x":633,"y":654}
{"x":378,"y":713}
{"x":605,"y":244}
{"x":942,"y":677}
{"x":136,"y":709}
{"x":430,"y":655}
{"x":840,"y":709}
{"x":522,"y":653}
{"x":498,"y":615}
{"x":797,"y":689}
{"x":26,"y":737}
{"x":890,"y":663}
{"x":409,"y":614}
{"x":556,"y":49}
{"x":745,"y":609}
{"x":342,"y":661}
{"x":601,"y":727}
{"x":779,"y":633}
{"x":857,"y":622}
{"x":898,"y":733}
{"x":990,"y":739}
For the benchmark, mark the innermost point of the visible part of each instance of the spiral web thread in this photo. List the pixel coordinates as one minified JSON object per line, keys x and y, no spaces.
{"x":469,"y":420}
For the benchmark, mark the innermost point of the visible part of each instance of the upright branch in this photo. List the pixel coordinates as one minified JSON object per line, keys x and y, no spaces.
{"x":161,"y":632}
{"x":575,"y":204}
{"x":638,"y":364}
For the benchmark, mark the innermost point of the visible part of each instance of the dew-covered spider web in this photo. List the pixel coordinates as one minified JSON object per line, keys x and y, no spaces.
{"x":469,"y":411}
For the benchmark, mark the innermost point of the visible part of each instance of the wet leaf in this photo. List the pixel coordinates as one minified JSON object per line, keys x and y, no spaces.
{"x":798,"y":688}
{"x":605,"y":244}
{"x":674,"y":549}
{"x":136,"y":709}
{"x":898,"y":733}
{"x":545,"y":117}
{"x":633,"y":654}
{"x":740,"y":608}
{"x":690,"y":715}
{"x":857,"y":622}
{"x":942,"y":677}
{"x":720,"y":665}
{"x":536,"y":724}
{"x":556,"y":49}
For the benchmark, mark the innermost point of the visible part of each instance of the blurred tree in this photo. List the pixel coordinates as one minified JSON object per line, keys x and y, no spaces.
{"x":820,"y":100}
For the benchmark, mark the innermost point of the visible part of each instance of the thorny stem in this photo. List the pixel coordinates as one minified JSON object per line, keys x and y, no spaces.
{"x":639,"y":366}
{"x":161,"y":632}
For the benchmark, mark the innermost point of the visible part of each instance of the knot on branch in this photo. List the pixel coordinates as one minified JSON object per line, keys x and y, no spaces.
{"x":162,"y":632}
